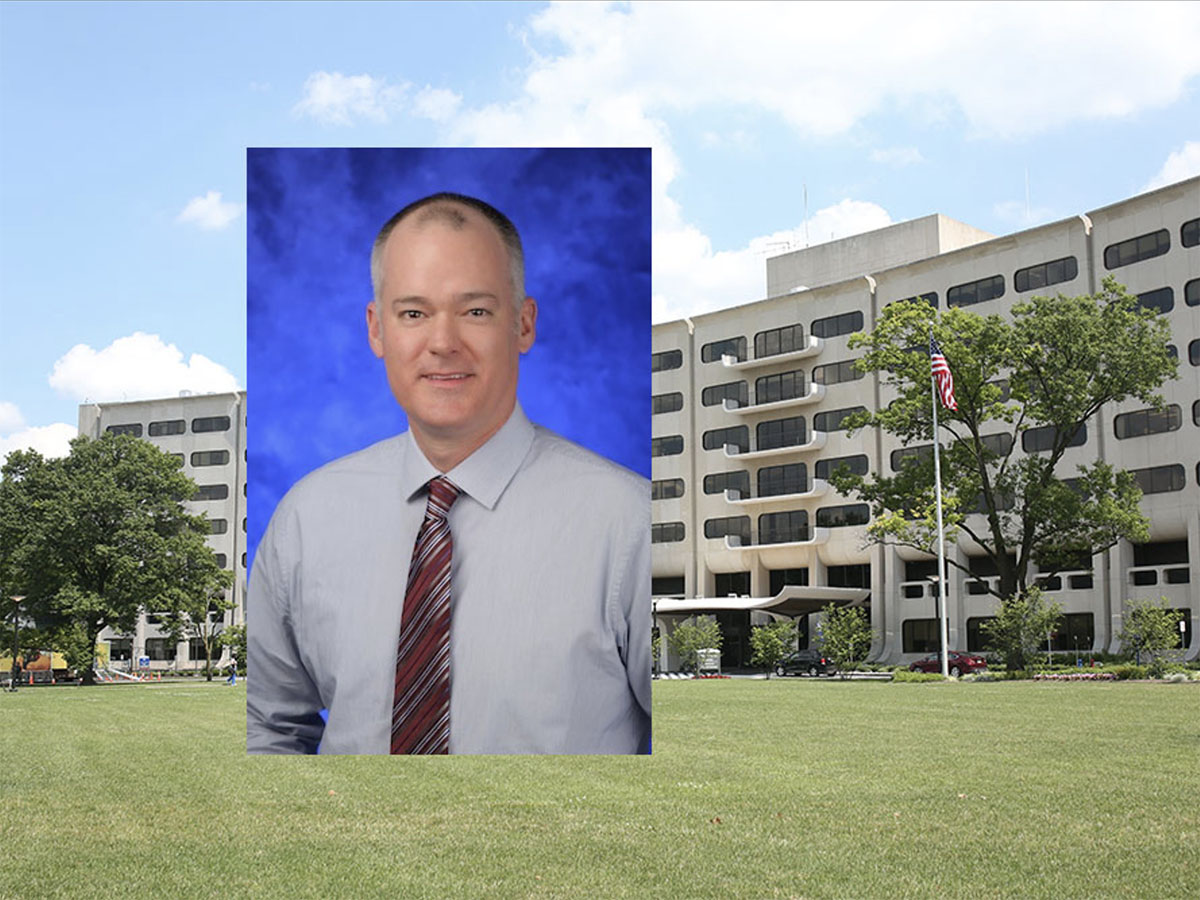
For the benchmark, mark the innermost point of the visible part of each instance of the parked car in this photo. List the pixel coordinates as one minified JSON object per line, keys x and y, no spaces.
{"x":805,"y":662}
{"x":960,"y":663}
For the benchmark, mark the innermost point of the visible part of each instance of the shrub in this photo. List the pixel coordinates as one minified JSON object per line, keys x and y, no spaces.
{"x":902,"y":674}
{"x":1129,"y":671}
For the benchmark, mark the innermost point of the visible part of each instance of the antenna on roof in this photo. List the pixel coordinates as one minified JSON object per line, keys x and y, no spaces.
{"x":806,"y":214}
{"x":1027,"y":195}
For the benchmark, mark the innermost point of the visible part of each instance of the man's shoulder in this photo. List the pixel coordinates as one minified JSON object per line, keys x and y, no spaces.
{"x":584,"y":469}
{"x":360,"y":468}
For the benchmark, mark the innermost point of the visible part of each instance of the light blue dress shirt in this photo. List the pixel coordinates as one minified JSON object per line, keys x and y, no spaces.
{"x":550,"y":599}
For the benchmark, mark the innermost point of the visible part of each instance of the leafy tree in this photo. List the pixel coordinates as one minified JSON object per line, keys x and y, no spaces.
{"x":1052,"y":365}
{"x":688,"y":639}
{"x":771,"y":642}
{"x":1149,"y":627}
{"x":197,"y":604}
{"x":1021,"y":626}
{"x":845,"y":635}
{"x":103,"y":535}
{"x":234,"y":637}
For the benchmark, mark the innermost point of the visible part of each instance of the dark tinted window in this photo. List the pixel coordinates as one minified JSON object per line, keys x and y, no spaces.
{"x":843,"y":323}
{"x":667,"y":359}
{"x":174,"y":426}
{"x":1037,"y":440}
{"x":212,"y":492}
{"x":788,"y":432}
{"x":779,"y":340}
{"x":1045,"y":274}
{"x":976,"y":291}
{"x":857,"y":465}
{"x":783,"y":386}
{"x":843,"y":516}
{"x":1162,"y":299}
{"x":666,"y":403}
{"x":736,"y":526}
{"x":832,"y":420}
{"x":210,"y":423}
{"x":1146,"y":246}
{"x":734,"y":346}
{"x":1160,"y":479}
{"x":1189,"y":233}
{"x":783,"y":527}
{"x":210,"y":457}
{"x":719,"y":437}
{"x":1191,"y":292}
{"x":666,"y":532}
{"x":669,"y":445}
{"x":835,"y":373}
{"x":1148,"y":421}
{"x":666,"y":489}
{"x":716,"y":394}
{"x":135,"y":429}
{"x":789,"y":479}
{"x":720,"y":482}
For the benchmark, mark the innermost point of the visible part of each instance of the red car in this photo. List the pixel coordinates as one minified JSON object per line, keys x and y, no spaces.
{"x":960,"y":663}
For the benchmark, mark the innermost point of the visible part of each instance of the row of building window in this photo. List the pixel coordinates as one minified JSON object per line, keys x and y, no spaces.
{"x":1038,"y":440}
{"x":772,"y":342}
{"x":791,"y":337}
{"x":772,"y":434}
{"x":773,"y":481}
{"x":788,"y":526}
{"x":173,"y":426}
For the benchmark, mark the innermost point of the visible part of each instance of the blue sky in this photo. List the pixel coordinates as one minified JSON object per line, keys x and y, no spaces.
{"x":123,"y":131}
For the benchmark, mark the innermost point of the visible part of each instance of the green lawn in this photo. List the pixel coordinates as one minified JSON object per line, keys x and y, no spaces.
{"x":788,"y":788}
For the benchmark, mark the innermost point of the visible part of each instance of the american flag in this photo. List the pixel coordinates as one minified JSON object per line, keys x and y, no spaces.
{"x":941,"y":375}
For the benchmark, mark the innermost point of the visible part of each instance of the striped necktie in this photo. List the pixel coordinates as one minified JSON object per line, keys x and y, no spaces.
{"x":421,"y":698}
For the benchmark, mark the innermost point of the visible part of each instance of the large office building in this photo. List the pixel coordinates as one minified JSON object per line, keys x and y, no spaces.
{"x":207,"y":433}
{"x":747,"y":421}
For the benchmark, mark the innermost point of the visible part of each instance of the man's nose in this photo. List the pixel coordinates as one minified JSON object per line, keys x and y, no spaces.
{"x":443,"y":336}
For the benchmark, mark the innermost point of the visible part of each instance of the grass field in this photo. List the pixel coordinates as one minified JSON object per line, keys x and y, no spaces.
{"x":756,"y":789}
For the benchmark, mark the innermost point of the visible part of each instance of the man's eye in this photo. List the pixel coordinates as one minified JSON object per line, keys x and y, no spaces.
{"x":479,"y":312}
{"x":411,"y":314}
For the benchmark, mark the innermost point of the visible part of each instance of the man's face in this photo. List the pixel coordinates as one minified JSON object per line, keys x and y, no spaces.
{"x":448,"y":331}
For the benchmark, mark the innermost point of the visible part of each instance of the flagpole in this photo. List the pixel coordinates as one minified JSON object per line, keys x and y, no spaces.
{"x":943,"y":617}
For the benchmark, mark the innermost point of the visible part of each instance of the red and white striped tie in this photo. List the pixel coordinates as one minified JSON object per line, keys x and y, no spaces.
{"x":421,"y":700}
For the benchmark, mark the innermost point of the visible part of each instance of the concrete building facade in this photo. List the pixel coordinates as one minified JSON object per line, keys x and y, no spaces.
{"x":207,"y":432}
{"x":748,"y":403}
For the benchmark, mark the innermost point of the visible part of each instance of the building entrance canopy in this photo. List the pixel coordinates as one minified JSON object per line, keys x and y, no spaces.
{"x":791,"y":601}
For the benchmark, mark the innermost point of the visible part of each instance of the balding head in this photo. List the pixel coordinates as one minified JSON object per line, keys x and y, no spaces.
{"x":454,"y":211}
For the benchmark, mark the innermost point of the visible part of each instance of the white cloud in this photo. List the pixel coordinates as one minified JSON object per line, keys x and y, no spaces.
{"x":10,"y":417}
{"x":598,"y":76}
{"x":336,"y":99}
{"x":209,"y":212}
{"x":792,"y":60}
{"x":48,"y":440}
{"x":438,"y":104}
{"x":1182,"y":164}
{"x":897,"y":156}
{"x":690,"y":278}
{"x":137,"y":367}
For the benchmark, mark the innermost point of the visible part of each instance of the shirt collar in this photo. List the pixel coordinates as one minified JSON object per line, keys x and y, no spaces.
{"x":485,"y":473}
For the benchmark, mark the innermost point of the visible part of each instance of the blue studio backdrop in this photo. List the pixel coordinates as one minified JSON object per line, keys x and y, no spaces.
{"x":316,"y":391}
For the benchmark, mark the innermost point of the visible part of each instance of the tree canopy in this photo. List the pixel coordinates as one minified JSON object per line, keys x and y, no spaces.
{"x":1050,"y":366}
{"x":97,"y":537}
{"x":845,"y":635}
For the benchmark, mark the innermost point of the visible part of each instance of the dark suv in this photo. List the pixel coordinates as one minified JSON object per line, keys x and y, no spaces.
{"x":805,"y":662}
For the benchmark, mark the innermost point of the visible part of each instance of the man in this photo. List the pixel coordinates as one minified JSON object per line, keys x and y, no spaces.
{"x":475,"y":585}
